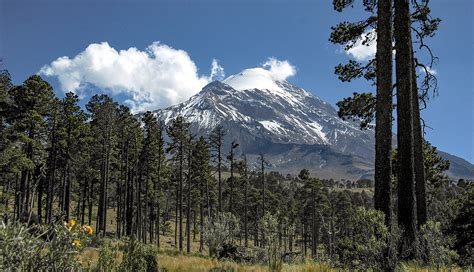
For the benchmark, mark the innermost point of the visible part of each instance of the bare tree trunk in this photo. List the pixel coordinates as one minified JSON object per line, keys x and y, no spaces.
{"x":201,"y":218}
{"x":406,"y":178}
{"x":181,"y":163}
{"x":188,"y":208}
{"x":418,"y":142}
{"x":89,"y":203}
{"x":40,"y":201}
{"x":176,"y":216}
{"x":85,"y":190}
{"x":246,"y":208}
{"x":383,"y":128}
{"x":314,"y":242}
{"x":219,"y":164}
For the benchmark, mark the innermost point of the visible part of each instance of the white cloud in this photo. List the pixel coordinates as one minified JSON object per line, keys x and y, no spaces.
{"x":365,"y":47}
{"x":430,"y":70}
{"x":217,"y":71}
{"x":280,"y":69}
{"x":157,"y":77}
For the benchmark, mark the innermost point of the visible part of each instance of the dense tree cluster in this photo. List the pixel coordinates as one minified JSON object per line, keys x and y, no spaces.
{"x":131,"y":175}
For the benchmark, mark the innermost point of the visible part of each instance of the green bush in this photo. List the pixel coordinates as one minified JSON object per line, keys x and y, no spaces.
{"x":108,"y":257}
{"x":40,"y":248}
{"x":139,"y":257}
{"x":434,"y":246}
{"x":462,"y":227}
{"x":220,"y":231}
{"x":364,"y":246}
{"x":256,"y":255}
{"x":269,"y":225}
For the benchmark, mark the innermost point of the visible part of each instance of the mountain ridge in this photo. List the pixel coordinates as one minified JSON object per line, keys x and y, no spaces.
{"x":292,"y":127}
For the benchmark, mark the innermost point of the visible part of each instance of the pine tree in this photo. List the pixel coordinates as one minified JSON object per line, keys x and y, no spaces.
{"x":53,"y":157}
{"x":149,"y":157}
{"x":29,"y":112}
{"x":103,"y":113}
{"x":231,"y":159}
{"x":178,"y":132}
{"x":72,"y":118}
{"x":244,"y":173}
{"x":216,"y":139}
{"x":202,"y":174}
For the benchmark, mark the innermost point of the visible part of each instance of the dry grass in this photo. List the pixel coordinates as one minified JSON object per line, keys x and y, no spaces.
{"x":174,"y":261}
{"x":414,"y":267}
{"x":182,"y":263}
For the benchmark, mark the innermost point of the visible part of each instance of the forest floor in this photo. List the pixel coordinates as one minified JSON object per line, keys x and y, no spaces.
{"x":174,"y":261}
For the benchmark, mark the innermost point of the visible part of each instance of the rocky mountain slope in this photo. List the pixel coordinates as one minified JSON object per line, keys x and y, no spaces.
{"x":292,"y":127}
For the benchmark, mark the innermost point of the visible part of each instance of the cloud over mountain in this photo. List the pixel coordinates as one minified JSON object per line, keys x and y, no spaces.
{"x":280,"y":69}
{"x":156,"y":77}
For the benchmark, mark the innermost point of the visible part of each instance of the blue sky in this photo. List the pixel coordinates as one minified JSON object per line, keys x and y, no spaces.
{"x":240,"y":34}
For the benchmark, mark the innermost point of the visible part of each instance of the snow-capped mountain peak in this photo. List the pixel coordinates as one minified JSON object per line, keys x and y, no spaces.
{"x":292,"y":127}
{"x":254,"y":104}
{"x":254,"y":78}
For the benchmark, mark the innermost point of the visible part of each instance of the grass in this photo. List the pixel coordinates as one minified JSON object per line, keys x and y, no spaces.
{"x":414,"y":267}
{"x":173,"y":261}
{"x":182,"y":263}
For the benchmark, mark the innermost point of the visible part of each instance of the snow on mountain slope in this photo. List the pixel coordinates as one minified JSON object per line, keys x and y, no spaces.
{"x":292,"y":127}
{"x":253,"y":105}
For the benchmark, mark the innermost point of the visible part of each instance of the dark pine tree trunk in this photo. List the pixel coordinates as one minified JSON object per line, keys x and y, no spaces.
{"x":145,"y":212}
{"x":406,"y":176}
{"x":181,"y":164}
{"x":85,"y":190}
{"x":383,"y":129}
{"x":176,"y":212}
{"x":246,"y":231}
{"x":418,"y":141}
{"x":89,"y":203}
{"x":263,"y":193}
{"x":40,"y":200}
{"x":67,"y":185}
{"x":188,"y":208}
{"x":219,"y":164}
{"x":201,"y":217}
{"x":158,"y":208}
{"x":314,"y":242}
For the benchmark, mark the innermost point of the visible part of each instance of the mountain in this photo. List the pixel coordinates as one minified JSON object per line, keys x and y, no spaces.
{"x":292,"y":127}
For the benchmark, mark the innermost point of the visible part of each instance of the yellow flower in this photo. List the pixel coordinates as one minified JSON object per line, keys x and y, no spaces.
{"x":88,"y":229}
{"x":72,"y":222}
{"x":76,"y":243}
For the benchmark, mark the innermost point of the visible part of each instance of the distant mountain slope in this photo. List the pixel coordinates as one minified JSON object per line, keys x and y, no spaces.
{"x":459,"y":167}
{"x":292,"y":127}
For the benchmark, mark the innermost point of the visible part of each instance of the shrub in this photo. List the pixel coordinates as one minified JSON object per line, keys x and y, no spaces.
{"x":269,"y":225}
{"x":42,"y":248}
{"x":220,"y":231}
{"x":139,"y":257}
{"x":434,"y":247}
{"x":364,"y":246}
{"x":256,"y":255}
{"x":108,"y":257}
{"x":462,"y":227}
